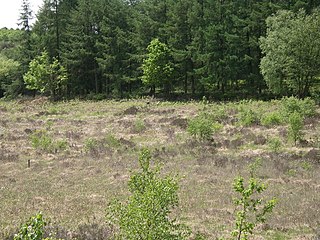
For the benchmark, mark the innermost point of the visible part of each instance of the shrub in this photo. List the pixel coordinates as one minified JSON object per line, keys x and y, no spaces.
{"x":295,"y":127}
{"x":305,"y":107}
{"x":254,"y":167}
{"x":252,"y":209}
{"x":247,"y":117}
{"x":272,"y":119}
{"x":46,"y":77}
{"x":61,"y":145}
{"x":220,"y":113}
{"x":145,"y":215}
{"x":275,"y":144}
{"x":41,"y":140}
{"x":33,"y":229}
{"x":92,"y":146}
{"x":202,"y":127}
{"x":139,"y":125}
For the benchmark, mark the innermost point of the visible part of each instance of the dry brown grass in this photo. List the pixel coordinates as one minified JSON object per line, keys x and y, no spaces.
{"x":73,"y":187}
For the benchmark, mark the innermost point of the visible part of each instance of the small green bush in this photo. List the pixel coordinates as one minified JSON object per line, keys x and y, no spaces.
{"x":41,"y":140}
{"x":271,"y":119}
{"x":33,"y":229}
{"x":295,"y":127}
{"x":219,"y":113}
{"x":139,"y":125}
{"x":61,"y":145}
{"x":202,"y":127}
{"x":247,"y":117}
{"x":275,"y":144}
{"x":145,"y":215}
{"x":252,"y":208}
{"x":92,"y":146}
{"x":305,"y":107}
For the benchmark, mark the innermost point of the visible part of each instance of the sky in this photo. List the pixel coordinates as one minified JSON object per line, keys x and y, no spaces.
{"x":10,"y":11}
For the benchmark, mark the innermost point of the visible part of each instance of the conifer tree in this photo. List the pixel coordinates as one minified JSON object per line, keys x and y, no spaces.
{"x":79,"y":50}
{"x":115,"y":46}
{"x":25,"y":50}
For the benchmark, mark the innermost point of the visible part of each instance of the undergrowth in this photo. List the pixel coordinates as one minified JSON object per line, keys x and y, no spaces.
{"x":42,"y":140}
{"x":147,"y":213}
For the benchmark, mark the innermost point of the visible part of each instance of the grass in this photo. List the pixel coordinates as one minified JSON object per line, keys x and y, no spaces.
{"x":74,"y":186}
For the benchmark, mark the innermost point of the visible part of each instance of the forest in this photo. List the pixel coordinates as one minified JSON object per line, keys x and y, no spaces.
{"x":172,"y":48}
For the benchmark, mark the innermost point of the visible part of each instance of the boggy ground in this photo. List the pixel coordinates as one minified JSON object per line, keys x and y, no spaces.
{"x":93,"y":146}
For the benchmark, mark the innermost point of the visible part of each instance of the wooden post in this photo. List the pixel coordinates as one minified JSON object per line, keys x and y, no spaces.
{"x":29,"y":163}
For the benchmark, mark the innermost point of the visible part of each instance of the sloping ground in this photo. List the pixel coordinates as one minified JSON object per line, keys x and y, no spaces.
{"x":91,"y":147}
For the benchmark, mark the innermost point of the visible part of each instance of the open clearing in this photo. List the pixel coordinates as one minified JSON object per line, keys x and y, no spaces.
{"x":97,"y":145}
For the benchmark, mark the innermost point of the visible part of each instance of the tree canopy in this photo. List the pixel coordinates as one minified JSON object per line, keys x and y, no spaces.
{"x":292,"y":52}
{"x":214,"y":46}
{"x":157,"y":67}
{"x":45,"y":76}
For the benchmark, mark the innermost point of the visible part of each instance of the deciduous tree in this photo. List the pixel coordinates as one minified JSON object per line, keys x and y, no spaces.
{"x":158,"y":67}
{"x":291,"y":64}
{"x":44,"y":76}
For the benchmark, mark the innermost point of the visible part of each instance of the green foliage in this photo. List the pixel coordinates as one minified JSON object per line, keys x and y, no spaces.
{"x":116,"y":57}
{"x":139,"y":125}
{"x":305,"y":107}
{"x":157,"y":67}
{"x":253,"y":167}
{"x":92,"y":145}
{"x":9,"y":42}
{"x":272,"y":119}
{"x":292,"y":172}
{"x":275,"y":144}
{"x":96,"y":147}
{"x":61,"y":145}
{"x":247,"y":117}
{"x":295,"y":127}
{"x":33,"y":229}
{"x":45,"y":76}
{"x":306,"y":166}
{"x":200,"y":236}
{"x":8,"y":71}
{"x":292,"y":47}
{"x":96,"y":96}
{"x":111,"y":140}
{"x":41,"y":140}
{"x":252,"y":208}
{"x":202,"y":127}
{"x":220,"y":113}
{"x":145,"y":215}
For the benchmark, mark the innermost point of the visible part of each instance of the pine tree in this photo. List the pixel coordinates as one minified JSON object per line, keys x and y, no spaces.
{"x":25,"y":50}
{"x":26,"y":16}
{"x":179,"y":33}
{"x":115,"y":46}
{"x":197,"y":45}
{"x":79,"y":50}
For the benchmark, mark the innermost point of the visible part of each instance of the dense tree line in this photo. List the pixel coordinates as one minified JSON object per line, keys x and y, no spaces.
{"x":212,"y":46}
